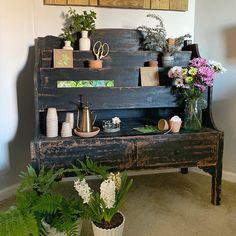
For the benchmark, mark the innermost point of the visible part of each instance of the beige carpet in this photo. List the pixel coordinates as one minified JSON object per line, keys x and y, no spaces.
{"x":172,"y":204}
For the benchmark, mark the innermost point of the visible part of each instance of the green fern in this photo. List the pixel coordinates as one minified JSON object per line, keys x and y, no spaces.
{"x":13,"y":222}
{"x":41,"y":182}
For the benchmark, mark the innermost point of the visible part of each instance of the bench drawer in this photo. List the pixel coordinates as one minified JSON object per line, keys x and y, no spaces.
{"x":173,"y":151}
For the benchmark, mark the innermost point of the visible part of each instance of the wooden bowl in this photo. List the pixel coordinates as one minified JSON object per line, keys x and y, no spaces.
{"x":81,"y":134}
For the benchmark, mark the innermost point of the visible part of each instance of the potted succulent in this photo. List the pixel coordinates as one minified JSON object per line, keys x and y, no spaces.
{"x":103,"y":207}
{"x":156,"y":39}
{"x":82,"y":23}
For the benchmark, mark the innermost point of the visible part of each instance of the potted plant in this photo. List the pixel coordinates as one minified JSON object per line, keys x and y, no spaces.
{"x":103,"y":207}
{"x":156,"y":39}
{"x":68,"y":38}
{"x":39,"y":206}
{"x":82,"y":23}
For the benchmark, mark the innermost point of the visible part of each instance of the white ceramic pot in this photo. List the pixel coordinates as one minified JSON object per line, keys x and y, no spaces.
{"x":118,"y":231}
{"x":67,"y":45}
{"x":53,"y":232}
{"x":168,"y":60}
{"x":84,"y":42}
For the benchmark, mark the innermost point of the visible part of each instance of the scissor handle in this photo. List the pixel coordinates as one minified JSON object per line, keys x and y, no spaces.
{"x":102,"y":54}
{"x":98,"y":50}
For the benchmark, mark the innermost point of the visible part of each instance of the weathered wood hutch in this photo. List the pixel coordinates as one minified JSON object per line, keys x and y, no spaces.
{"x":134,"y":104}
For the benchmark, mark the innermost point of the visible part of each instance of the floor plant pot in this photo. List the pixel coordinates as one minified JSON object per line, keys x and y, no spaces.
{"x":117,"y":231}
{"x":53,"y":232}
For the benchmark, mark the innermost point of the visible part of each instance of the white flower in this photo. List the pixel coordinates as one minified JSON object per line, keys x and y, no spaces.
{"x":116,"y":178}
{"x":116,"y":120}
{"x":175,"y":72}
{"x":179,"y":82}
{"x":83,"y":190}
{"x":108,"y":193}
{"x":217,"y":66}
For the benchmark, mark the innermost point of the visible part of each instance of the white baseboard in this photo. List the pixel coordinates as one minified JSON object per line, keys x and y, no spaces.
{"x":228,"y":176}
{"x":8,"y":192}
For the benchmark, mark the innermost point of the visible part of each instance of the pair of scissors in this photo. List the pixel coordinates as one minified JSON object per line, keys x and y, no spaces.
{"x":100,"y":50}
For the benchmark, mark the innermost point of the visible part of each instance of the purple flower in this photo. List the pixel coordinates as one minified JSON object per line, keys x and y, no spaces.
{"x":198,"y":62}
{"x":206,"y":71}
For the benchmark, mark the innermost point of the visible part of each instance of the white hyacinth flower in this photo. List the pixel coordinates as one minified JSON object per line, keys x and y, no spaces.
{"x":83,"y":190}
{"x":116,"y":120}
{"x":108,"y":193}
{"x":116,"y":178}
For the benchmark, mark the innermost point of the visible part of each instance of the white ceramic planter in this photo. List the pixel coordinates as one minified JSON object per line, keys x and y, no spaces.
{"x":118,"y":231}
{"x":84,"y":42}
{"x":53,"y":232}
{"x":67,"y":45}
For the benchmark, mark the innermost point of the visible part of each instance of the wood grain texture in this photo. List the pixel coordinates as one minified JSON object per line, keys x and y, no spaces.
{"x":112,"y":98}
{"x":78,"y":2}
{"x":122,"y":3}
{"x":55,"y":2}
{"x":160,"y":4}
{"x":180,"y":5}
{"x":93,"y":2}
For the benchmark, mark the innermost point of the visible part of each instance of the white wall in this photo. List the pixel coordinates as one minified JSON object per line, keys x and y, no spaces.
{"x":21,"y":22}
{"x":215,"y":32}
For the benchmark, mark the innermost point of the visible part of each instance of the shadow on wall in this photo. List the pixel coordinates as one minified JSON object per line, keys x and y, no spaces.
{"x":230,"y":39}
{"x":19,"y":147}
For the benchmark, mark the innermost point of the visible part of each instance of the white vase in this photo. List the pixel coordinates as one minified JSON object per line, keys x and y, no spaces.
{"x":168,"y":60}
{"x":118,"y":231}
{"x":53,"y":232}
{"x":67,"y":45}
{"x":84,"y":42}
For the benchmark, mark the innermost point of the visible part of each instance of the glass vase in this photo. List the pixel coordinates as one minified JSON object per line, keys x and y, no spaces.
{"x":193,"y":115}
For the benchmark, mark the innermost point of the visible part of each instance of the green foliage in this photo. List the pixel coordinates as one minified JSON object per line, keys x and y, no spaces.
{"x":88,"y":167}
{"x":67,"y":34}
{"x":80,"y":22}
{"x":155,"y":38}
{"x":13,"y":222}
{"x":41,"y":182}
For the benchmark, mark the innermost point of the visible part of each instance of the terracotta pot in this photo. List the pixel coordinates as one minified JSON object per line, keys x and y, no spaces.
{"x":153,"y":63}
{"x":95,"y":64}
{"x":118,"y":231}
{"x":163,"y":125}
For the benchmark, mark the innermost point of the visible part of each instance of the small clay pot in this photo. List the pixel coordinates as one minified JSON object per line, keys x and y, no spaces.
{"x":95,"y":64}
{"x":163,"y":125}
{"x":153,"y":63}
